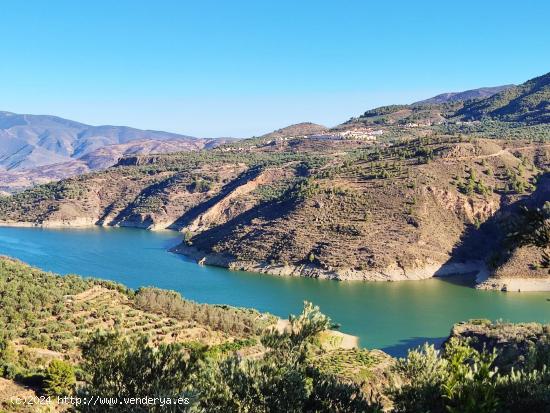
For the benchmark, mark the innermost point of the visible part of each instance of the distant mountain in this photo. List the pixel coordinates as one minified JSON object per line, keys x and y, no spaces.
{"x":528,"y":103}
{"x":109,"y":155}
{"x":27,"y":141}
{"x":40,"y":148}
{"x":19,"y":179}
{"x":481,"y":93}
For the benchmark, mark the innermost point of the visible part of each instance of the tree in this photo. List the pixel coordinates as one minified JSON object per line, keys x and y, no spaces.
{"x":59,"y":378}
{"x":459,"y":380}
{"x":8,"y":357}
{"x":119,"y":367}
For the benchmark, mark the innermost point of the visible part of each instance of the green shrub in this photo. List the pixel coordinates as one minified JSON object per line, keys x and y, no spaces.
{"x":59,"y":379}
{"x":461,"y":379}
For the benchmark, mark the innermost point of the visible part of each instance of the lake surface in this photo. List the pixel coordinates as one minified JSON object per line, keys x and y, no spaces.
{"x":391,"y":316}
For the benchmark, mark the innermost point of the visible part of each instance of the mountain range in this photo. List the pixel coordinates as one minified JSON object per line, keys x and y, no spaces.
{"x":40,"y":148}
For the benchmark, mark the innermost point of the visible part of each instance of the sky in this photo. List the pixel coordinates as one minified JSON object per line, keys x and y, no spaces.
{"x":242,"y":68}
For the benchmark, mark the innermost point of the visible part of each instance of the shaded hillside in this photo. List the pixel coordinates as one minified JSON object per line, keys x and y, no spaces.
{"x":528,"y":102}
{"x":480,"y":93}
{"x":519,"y":263}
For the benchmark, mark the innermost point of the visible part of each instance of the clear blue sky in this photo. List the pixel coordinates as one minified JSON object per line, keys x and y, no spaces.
{"x":239,"y":68}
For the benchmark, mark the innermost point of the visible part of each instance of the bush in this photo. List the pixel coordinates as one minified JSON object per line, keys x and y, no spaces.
{"x":117,"y":366}
{"x":462,"y":379}
{"x":221,"y":318}
{"x":59,"y":379}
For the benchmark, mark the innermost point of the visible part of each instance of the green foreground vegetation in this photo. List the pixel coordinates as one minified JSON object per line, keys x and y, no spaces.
{"x":241,"y":362}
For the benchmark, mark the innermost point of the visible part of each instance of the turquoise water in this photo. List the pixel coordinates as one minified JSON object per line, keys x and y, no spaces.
{"x":391,"y":316}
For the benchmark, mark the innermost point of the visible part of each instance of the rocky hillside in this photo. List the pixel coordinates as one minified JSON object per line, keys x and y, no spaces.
{"x":402,"y":192}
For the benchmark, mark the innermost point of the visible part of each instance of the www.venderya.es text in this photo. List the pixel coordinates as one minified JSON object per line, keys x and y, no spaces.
{"x":103,"y":401}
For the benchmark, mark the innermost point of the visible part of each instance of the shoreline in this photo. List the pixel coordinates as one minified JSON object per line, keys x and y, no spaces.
{"x":390,"y":274}
{"x":84,"y":223}
{"x":477,"y":269}
{"x":516,"y":284}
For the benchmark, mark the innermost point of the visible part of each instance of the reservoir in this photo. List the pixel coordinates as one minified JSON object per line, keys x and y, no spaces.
{"x":392,"y":316}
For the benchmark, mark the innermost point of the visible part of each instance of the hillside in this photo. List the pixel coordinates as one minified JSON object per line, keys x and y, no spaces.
{"x":528,"y":103}
{"x":299,"y":129}
{"x":401,"y":192}
{"x":318,"y":206}
{"x":56,"y":312}
{"x":479,"y":93}
{"x":402,"y":115}
{"x":525,"y":104}
{"x":96,"y":340}
{"x":374,"y":216}
{"x":48,"y":317}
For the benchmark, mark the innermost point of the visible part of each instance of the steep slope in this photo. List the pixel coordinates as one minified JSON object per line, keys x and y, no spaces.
{"x":374,"y":216}
{"x":516,"y":266}
{"x":479,"y":93}
{"x":528,"y":102}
